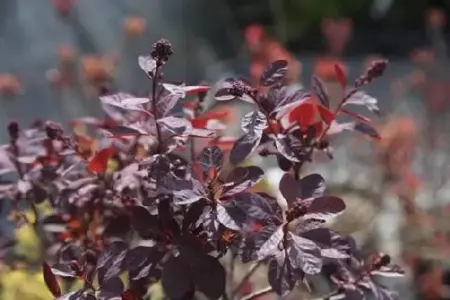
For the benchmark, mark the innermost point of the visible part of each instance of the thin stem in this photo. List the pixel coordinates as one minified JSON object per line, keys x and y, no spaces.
{"x":258,"y":293}
{"x":249,"y":274}
{"x":153,"y":103}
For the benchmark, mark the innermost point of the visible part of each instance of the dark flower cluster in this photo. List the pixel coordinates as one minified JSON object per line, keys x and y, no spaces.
{"x":167,"y":212}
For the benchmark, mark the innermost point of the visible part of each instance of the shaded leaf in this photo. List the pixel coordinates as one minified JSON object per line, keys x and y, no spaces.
{"x":275,"y":72}
{"x":50,"y":280}
{"x":145,"y":224}
{"x":176,"y":125}
{"x":289,"y":146}
{"x":176,"y":279}
{"x":210,"y":277}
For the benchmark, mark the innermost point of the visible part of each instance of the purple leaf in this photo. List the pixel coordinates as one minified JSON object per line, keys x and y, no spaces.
{"x":165,"y":103}
{"x":367,"y":130}
{"x":336,"y":128}
{"x":325,"y":208}
{"x":175,"y":89}
{"x":273,"y":237}
{"x":176,"y":125}
{"x":289,"y":146}
{"x":210,"y":158}
{"x":282,"y":277}
{"x":310,"y":186}
{"x":275,"y":72}
{"x":63,"y":270}
{"x":320,"y":91}
{"x":305,"y":255}
{"x":124,"y":101}
{"x":111,"y":289}
{"x":257,"y":207}
{"x":254,"y":122}
{"x":241,"y":179}
{"x":224,"y":218}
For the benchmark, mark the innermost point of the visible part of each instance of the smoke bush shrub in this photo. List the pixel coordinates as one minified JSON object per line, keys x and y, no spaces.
{"x":168,"y":212}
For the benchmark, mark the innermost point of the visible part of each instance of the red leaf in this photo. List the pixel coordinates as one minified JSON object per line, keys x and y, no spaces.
{"x":340,"y":75}
{"x":99,"y":163}
{"x":50,"y":280}
{"x":129,"y":295}
{"x":326,"y":115}
{"x":304,"y":114}
{"x":355,"y":115}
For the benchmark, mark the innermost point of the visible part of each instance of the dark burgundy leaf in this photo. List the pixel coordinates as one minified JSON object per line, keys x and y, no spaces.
{"x":282,"y":277}
{"x":176,"y":279}
{"x":243,"y":147}
{"x":50,"y":280}
{"x":274,"y":73}
{"x":186,"y":192}
{"x":320,"y":91}
{"x":289,"y":188}
{"x":143,"y":222}
{"x":305,"y":255}
{"x":311,"y":186}
{"x":257,"y":207}
{"x":210,"y":158}
{"x":325,"y":207}
{"x":367,"y":130}
{"x":241,"y":179}
{"x":209,"y":277}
